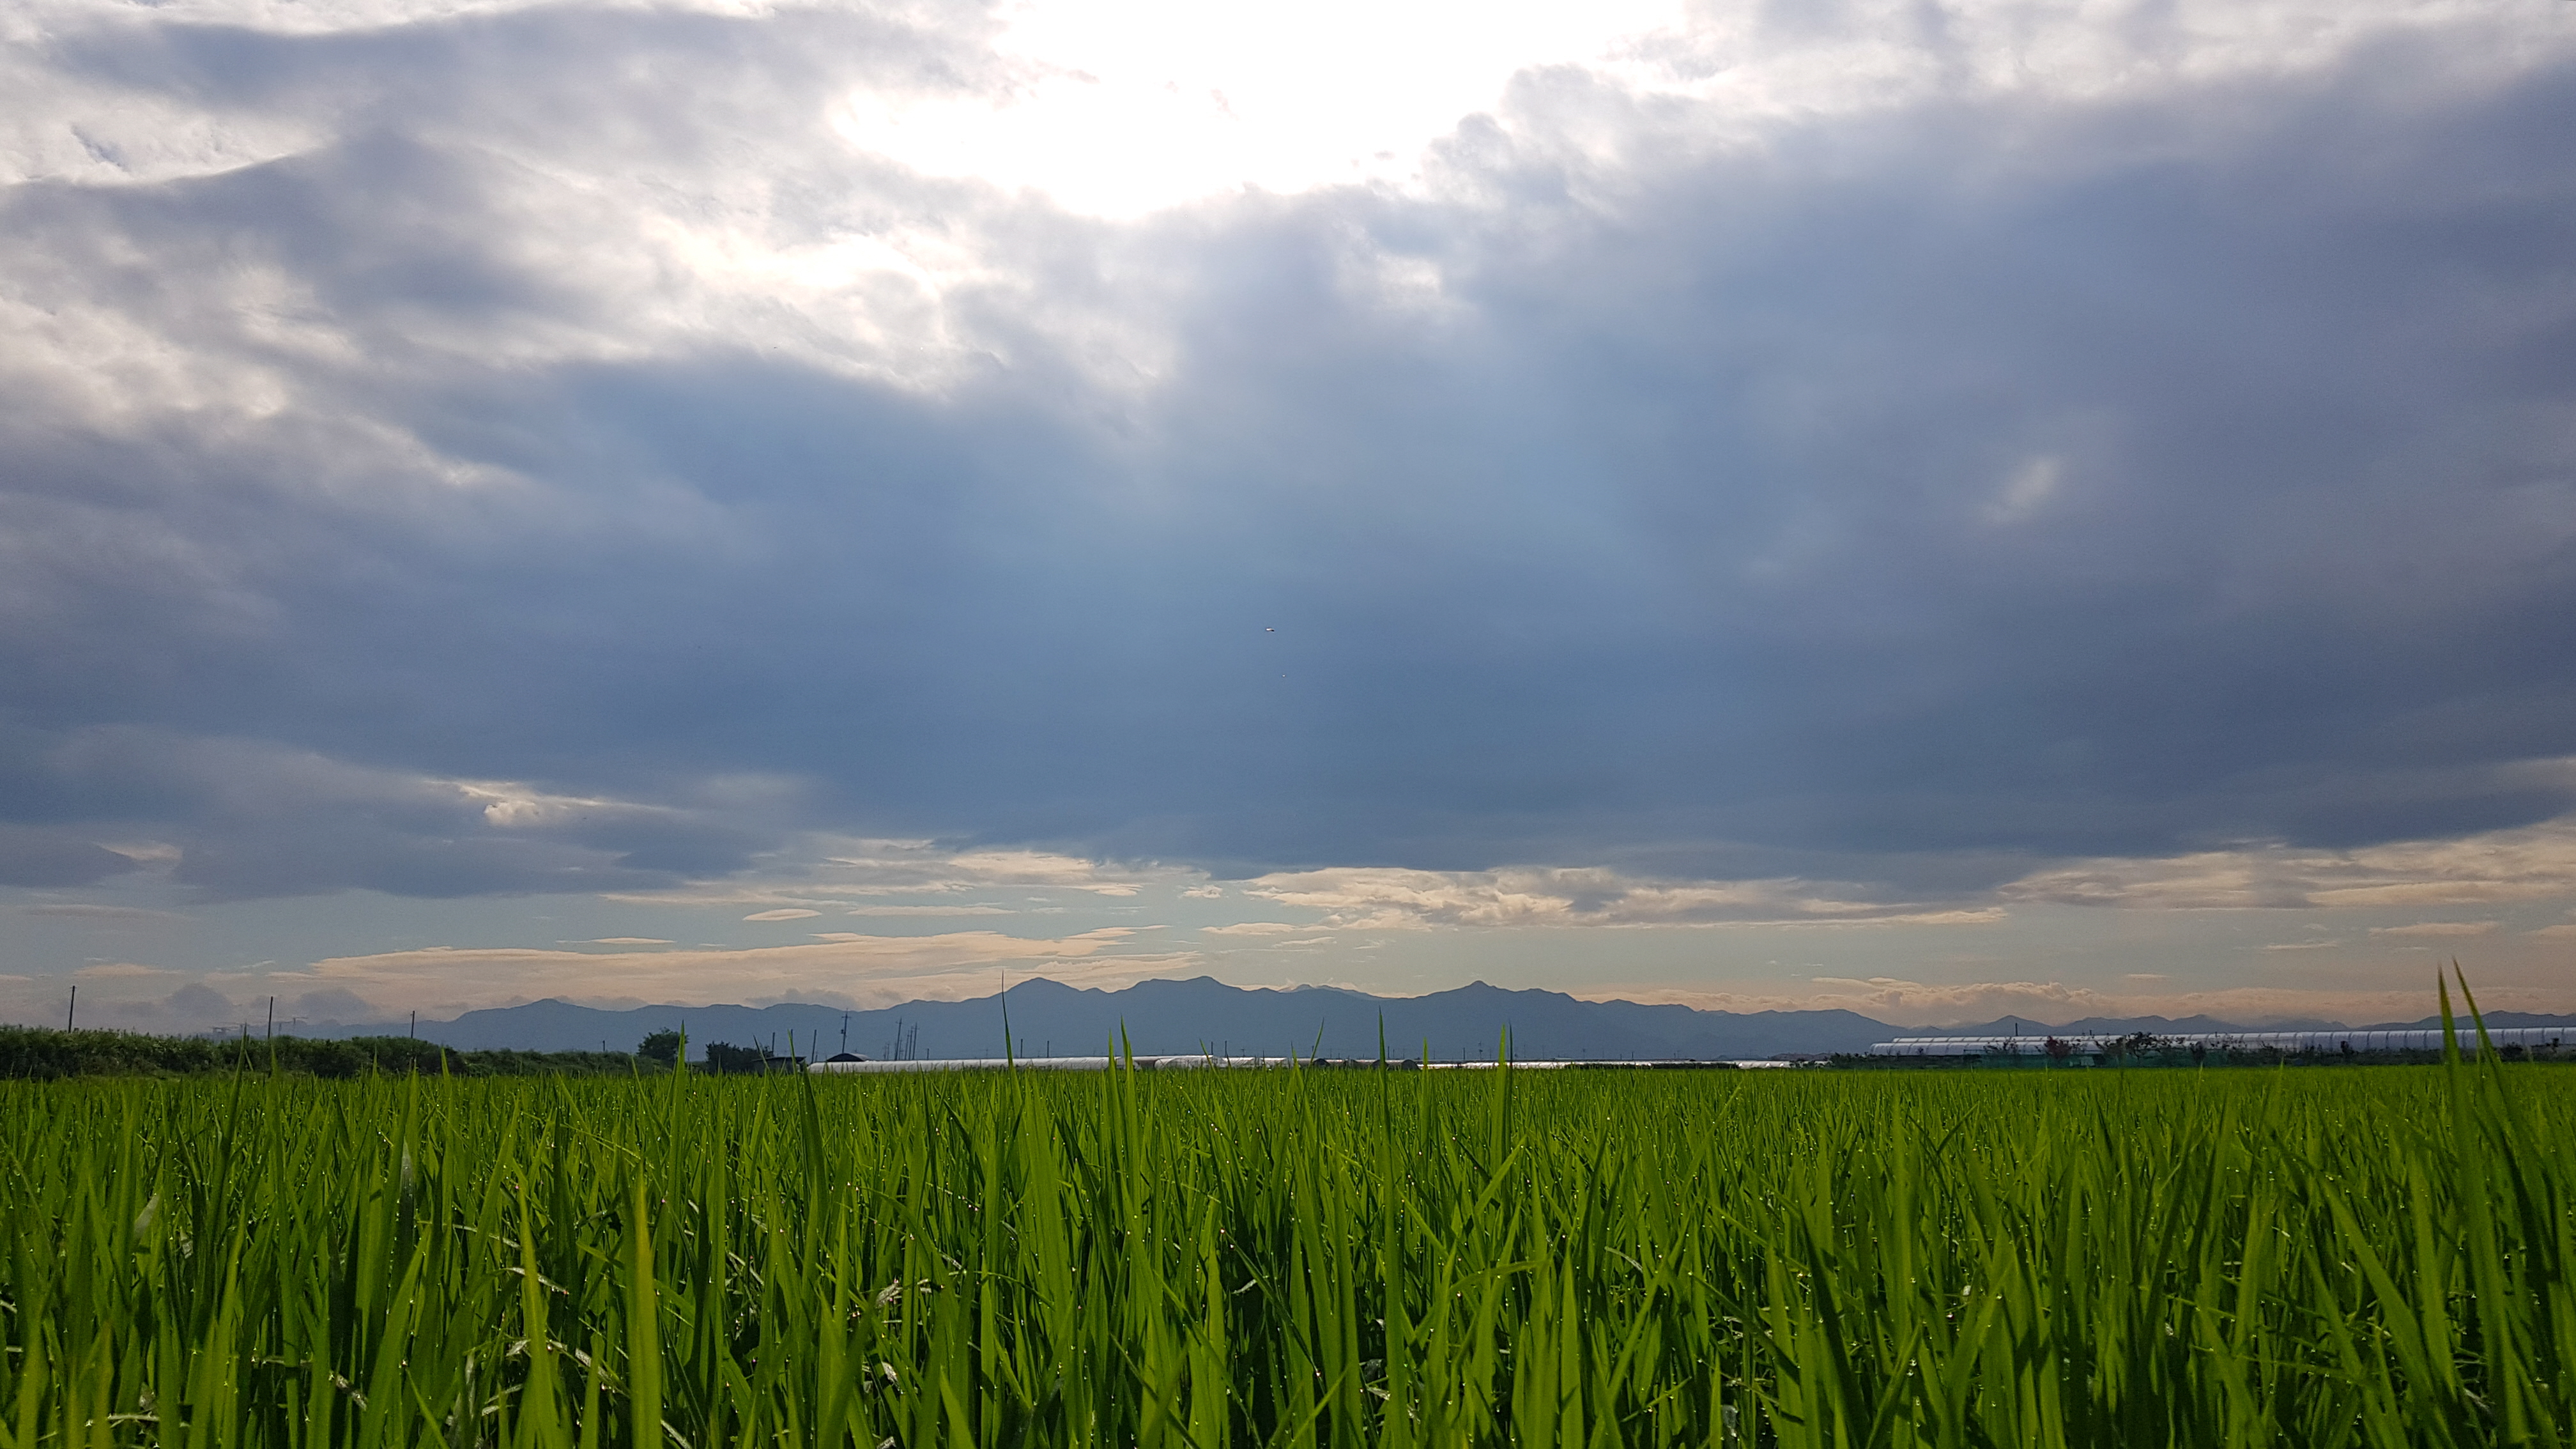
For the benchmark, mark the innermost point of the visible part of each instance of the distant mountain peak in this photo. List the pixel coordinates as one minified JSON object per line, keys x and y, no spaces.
{"x":1169,"y":1015}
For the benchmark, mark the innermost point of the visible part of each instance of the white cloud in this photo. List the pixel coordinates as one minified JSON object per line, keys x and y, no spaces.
{"x":856,"y":875}
{"x":1891,"y":997}
{"x":1907,"y":1002}
{"x":1381,"y":899}
{"x":866,"y":970}
{"x":1038,"y":867}
{"x":783,"y":913}
{"x":1116,"y":109}
{"x":2532,"y":863}
{"x":2028,"y":490}
{"x":122,"y":971}
{"x":521,"y":807}
{"x":81,"y":911}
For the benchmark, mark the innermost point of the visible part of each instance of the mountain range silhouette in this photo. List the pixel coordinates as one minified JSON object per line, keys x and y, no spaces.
{"x":1167,"y":1017}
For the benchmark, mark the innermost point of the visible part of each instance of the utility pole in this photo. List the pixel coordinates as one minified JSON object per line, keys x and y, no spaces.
{"x":415,"y":1024}
{"x":73,"y":1010}
{"x":272,"y":1021}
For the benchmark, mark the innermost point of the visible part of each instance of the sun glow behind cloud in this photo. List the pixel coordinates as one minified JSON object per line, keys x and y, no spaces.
{"x":1117,"y":107}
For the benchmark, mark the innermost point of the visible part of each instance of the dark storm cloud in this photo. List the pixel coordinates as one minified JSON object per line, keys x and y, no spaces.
{"x":252,"y":819}
{"x":1929,"y":493}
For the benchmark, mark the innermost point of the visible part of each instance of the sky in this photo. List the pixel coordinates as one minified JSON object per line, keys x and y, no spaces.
{"x":1929,"y":507}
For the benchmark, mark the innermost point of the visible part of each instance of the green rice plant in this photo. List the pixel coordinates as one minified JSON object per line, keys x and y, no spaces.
{"x":1323,"y":1259}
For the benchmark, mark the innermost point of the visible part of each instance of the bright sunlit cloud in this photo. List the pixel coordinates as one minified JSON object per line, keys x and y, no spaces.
{"x":1115,"y":108}
{"x":1120,"y":108}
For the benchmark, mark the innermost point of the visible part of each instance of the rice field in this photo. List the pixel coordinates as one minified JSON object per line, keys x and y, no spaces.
{"x":1295,"y":1257}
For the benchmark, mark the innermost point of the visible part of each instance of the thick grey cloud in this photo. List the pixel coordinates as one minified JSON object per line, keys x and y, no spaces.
{"x":1920,"y":493}
{"x":238,"y":818}
{"x":36,"y":857}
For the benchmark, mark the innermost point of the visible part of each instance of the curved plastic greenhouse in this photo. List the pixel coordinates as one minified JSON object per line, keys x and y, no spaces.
{"x":2101,"y":1043}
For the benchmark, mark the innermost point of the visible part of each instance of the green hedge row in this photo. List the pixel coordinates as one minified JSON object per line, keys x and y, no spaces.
{"x":44,"y":1053}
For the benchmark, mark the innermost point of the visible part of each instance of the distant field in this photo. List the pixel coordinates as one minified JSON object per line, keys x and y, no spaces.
{"x":2373,"y":1256}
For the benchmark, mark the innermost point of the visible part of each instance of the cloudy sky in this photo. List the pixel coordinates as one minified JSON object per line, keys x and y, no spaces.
{"x":1931,"y":506}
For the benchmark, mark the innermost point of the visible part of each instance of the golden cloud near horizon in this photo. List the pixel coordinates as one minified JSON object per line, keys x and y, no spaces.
{"x":842,"y":968}
{"x":1940,"y":1004}
{"x":2531,"y":863}
{"x":2384,"y":902}
{"x":1383,"y":898}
